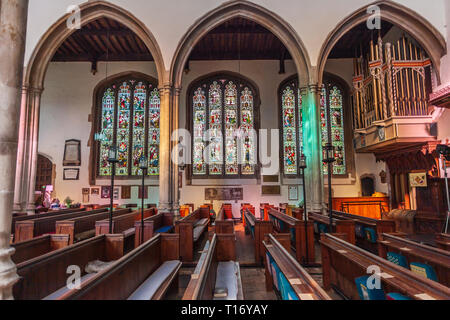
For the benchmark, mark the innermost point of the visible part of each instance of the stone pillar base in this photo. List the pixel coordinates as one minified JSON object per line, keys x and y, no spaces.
{"x":8,"y":274}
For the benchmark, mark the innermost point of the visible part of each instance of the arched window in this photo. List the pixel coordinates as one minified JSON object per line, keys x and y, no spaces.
{"x":224,"y":123}
{"x":291,"y":125}
{"x":128,"y":117}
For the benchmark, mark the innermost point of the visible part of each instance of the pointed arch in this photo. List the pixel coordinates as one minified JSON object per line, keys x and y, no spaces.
{"x":423,"y":31}
{"x":247,"y":10}
{"x":90,"y":11}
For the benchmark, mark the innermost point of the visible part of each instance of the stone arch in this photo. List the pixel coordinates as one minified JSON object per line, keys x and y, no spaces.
{"x":90,"y":11}
{"x":422,"y":30}
{"x":248,"y":10}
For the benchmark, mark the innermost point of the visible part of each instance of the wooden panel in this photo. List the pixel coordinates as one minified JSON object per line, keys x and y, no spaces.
{"x":356,"y":206}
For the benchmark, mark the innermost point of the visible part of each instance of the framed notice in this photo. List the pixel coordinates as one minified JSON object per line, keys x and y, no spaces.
{"x":145,"y":192}
{"x":116,"y":193}
{"x":95,"y":191}
{"x":126,"y":192}
{"x":72,"y":153}
{"x":293,"y":193}
{"x":106,"y":192}
{"x":71,"y":174}
{"x":418,"y":180}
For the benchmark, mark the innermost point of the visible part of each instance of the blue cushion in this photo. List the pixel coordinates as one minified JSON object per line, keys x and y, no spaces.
{"x":359,"y":231}
{"x":275,"y":275}
{"x":323,"y":228}
{"x":371,"y":235}
{"x":164,"y":229}
{"x":287,"y":292}
{"x":424,"y":270}
{"x":396,"y":296}
{"x":398,"y":259}
{"x":368,"y":294}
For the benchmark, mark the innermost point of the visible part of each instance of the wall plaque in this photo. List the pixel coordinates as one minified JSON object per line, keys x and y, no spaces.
{"x":269,"y":179}
{"x":271,"y":190}
{"x":72,"y":153}
{"x":71,"y":174}
{"x":224,"y":194}
{"x":126,"y":192}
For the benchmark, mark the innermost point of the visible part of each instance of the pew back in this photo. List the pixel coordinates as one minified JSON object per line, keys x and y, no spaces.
{"x":43,"y":275}
{"x":38,"y":246}
{"x":121,"y":279}
{"x":343,"y":262}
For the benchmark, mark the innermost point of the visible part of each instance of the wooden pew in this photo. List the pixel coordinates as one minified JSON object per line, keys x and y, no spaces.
{"x":443,"y":241}
{"x":29,"y":229}
{"x":190,"y":229}
{"x":46,"y":274}
{"x":124,"y":224}
{"x":160,"y":223}
{"x":146,"y":273}
{"x":346,"y":226}
{"x":361,"y":223}
{"x":216,"y":269}
{"x":297,"y":283}
{"x":248,"y":207}
{"x":283,"y":223}
{"x":81,"y":228}
{"x":42,"y":215}
{"x":343,"y":262}
{"x":416,"y":252}
{"x":257,"y":229}
{"x":38,"y":246}
{"x":264,"y":211}
{"x":223,"y":225}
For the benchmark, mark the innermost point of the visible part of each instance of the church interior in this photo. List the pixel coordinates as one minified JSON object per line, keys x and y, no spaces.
{"x":224,"y":150}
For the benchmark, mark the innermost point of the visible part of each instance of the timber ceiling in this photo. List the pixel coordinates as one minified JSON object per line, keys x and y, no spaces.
{"x":239,"y":38}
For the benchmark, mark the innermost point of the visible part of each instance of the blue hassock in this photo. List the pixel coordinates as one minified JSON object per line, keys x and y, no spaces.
{"x":359,"y":231}
{"x":371,"y":235}
{"x":368,"y":294}
{"x":396,"y":296}
{"x":424,"y":270}
{"x":398,"y":259}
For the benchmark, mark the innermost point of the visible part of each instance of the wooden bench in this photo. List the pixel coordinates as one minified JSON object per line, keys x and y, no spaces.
{"x":160,"y":223}
{"x":416,"y":252}
{"x":82,"y":228}
{"x":45,"y":275}
{"x":146,"y":273}
{"x":343,"y":262}
{"x":286,"y":276}
{"x":361,"y":224}
{"x":36,"y":247}
{"x":257,"y":229}
{"x":216,"y":269}
{"x":29,"y":229}
{"x":190,"y":229}
{"x":264,"y":211}
{"x":124,"y":224}
{"x":248,"y":207}
{"x":283,"y":223}
{"x":222,"y":224}
{"x":24,"y":217}
{"x":443,"y":241}
{"x":346,"y":226}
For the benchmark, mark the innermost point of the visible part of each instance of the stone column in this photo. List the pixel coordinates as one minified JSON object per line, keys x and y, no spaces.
{"x":312,"y":147}
{"x":164,"y":150}
{"x":28,"y":150}
{"x":13,"y":24}
{"x":175,"y":198}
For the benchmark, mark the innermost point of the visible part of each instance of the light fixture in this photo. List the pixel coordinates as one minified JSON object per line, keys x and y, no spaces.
{"x":328,"y":156}
{"x":112,"y":154}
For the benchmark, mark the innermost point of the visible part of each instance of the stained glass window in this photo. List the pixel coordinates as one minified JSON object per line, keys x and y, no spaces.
{"x":223,"y":116}
{"x":129,"y":119}
{"x":292,"y":127}
{"x":107,"y":129}
{"x":153,"y":132}
{"x":337,"y":127}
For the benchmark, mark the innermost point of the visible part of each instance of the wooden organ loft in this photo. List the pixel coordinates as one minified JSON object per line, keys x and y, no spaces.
{"x":393,"y":119}
{"x":392,"y":85}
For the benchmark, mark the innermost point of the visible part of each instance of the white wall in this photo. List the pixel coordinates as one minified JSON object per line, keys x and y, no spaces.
{"x":169,"y":20}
